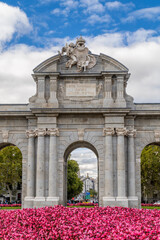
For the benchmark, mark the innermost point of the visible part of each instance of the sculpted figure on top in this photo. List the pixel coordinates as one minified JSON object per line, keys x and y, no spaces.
{"x":78,"y":55}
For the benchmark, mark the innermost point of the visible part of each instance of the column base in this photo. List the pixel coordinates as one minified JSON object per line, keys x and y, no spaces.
{"x":51,"y":201}
{"x":109,"y":201}
{"x":28,"y":202}
{"x":39,"y":202}
{"x":122,"y":201}
{"x":133,"y":202}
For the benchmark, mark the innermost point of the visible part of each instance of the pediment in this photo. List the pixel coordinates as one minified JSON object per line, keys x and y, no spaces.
{"x":57,"y":63}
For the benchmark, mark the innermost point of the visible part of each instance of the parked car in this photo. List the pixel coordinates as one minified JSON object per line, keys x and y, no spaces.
{"x":158,"y":202}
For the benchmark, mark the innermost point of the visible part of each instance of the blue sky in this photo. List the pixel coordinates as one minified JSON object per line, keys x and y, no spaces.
{"x":53,"y":19}
{"x":32,"y":31}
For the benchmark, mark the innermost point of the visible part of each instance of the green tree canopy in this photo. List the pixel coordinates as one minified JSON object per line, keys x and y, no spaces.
{"x":10,"y":169}
{"x":74,"y":184}
{"x":150,"y":170}
{"x":93,"y":192}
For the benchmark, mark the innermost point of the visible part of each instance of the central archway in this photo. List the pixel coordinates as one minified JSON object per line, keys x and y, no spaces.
{"x":69,"y":150}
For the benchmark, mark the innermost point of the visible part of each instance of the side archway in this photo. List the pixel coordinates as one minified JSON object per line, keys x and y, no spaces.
{"x":10,"y":173}
{"x":150,"y":169}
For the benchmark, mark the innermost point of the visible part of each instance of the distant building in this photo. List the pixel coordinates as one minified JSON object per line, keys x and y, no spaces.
{"x":89,"y":183}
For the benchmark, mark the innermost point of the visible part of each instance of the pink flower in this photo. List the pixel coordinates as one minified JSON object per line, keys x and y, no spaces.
{"x":80,"y":223}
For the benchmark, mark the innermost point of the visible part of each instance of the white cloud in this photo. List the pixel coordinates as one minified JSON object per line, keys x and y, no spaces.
{"x":16,"y":66}
{"x":65,"y":7}
{"x":69,"y":3}
{"x":140,"y":56}
{"x":116,"y":5}
{"x":91,"y":6}
{"x":94,"y":18}
{"x":87,"y":161}
{"x":141,"y":35}
{"x":145,"y":13}
{"x":12,"y":20}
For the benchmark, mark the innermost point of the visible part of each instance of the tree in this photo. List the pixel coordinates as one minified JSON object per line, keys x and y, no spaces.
{"x":74,"y":184}
{"x":150,"y":170}
{"x":93,"y":193}
{"x":10,"y":170}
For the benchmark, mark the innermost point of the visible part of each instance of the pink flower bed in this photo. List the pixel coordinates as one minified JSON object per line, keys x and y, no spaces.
{"x":10,"y":205}
{"x":150,"y":204}
{"x":82,"y":204}
{"x":80,"y":223}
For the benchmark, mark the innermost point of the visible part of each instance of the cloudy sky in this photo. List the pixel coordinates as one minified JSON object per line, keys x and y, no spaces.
{"x":34,"y":30}
{"x":87,"y":161}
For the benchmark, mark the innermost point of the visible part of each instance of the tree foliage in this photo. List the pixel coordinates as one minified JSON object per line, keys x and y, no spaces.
{"x":10,"y":169}
{"x":150,"y":170}
{"x":93,"y":193}
{"x":74,"y":184}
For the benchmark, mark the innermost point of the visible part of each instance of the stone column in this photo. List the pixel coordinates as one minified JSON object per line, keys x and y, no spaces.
{"x":108,"y":100}
{"x":121,"y":174}
{"x":40,"y":165}
{"x":53,"y":89}
{"x":30,"y":163}
{"x":108,"y":132}
{"x":120,"y":101}
{"x":131,"y":163}
{"x":132,"y":198}
{"x":52,"y":190}
{"x":30,"y":169}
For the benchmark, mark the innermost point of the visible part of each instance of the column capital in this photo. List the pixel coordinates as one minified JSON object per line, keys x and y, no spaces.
{"x":108,"y":131}
{"x":53,"y":132}
{"x":121,"y":131}
{"x":40,"y":132}
{"x":30,"y":133}
{"x":131,"y":133}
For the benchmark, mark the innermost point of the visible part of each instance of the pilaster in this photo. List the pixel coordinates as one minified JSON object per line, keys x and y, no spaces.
{"x":41,"y":90}
{"x":120,"y":100}
{"x":108,"y":100}
{"x":53,"y":102}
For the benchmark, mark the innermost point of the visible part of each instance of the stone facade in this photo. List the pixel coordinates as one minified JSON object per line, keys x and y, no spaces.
{"x":80,"y":106}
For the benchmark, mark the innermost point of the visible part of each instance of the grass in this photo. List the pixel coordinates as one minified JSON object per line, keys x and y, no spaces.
{"x":80,"y":206}
{"x":10,"y":208}
{"x":150,"y":207}
{"x":14,"y":208}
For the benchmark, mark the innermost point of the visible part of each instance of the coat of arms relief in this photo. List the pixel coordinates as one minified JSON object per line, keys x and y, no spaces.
{"x":78,"y":55}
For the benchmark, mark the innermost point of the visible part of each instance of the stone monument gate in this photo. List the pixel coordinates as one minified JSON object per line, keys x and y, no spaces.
{"x":80,"y":101}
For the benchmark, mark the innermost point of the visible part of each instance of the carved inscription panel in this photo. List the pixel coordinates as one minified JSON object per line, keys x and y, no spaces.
{"x":81,"y":90}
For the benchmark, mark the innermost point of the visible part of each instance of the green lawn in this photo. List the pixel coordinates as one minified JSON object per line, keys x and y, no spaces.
{"x":80,"y":206}
{"x":14,"y":208}
{"x":10,"y":208}
{"x":150,"y":207}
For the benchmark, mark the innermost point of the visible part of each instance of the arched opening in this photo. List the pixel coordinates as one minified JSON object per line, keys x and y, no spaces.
{"x":85,"y":156}
{"x":10,"y":173}
{"x":150,"y":173}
